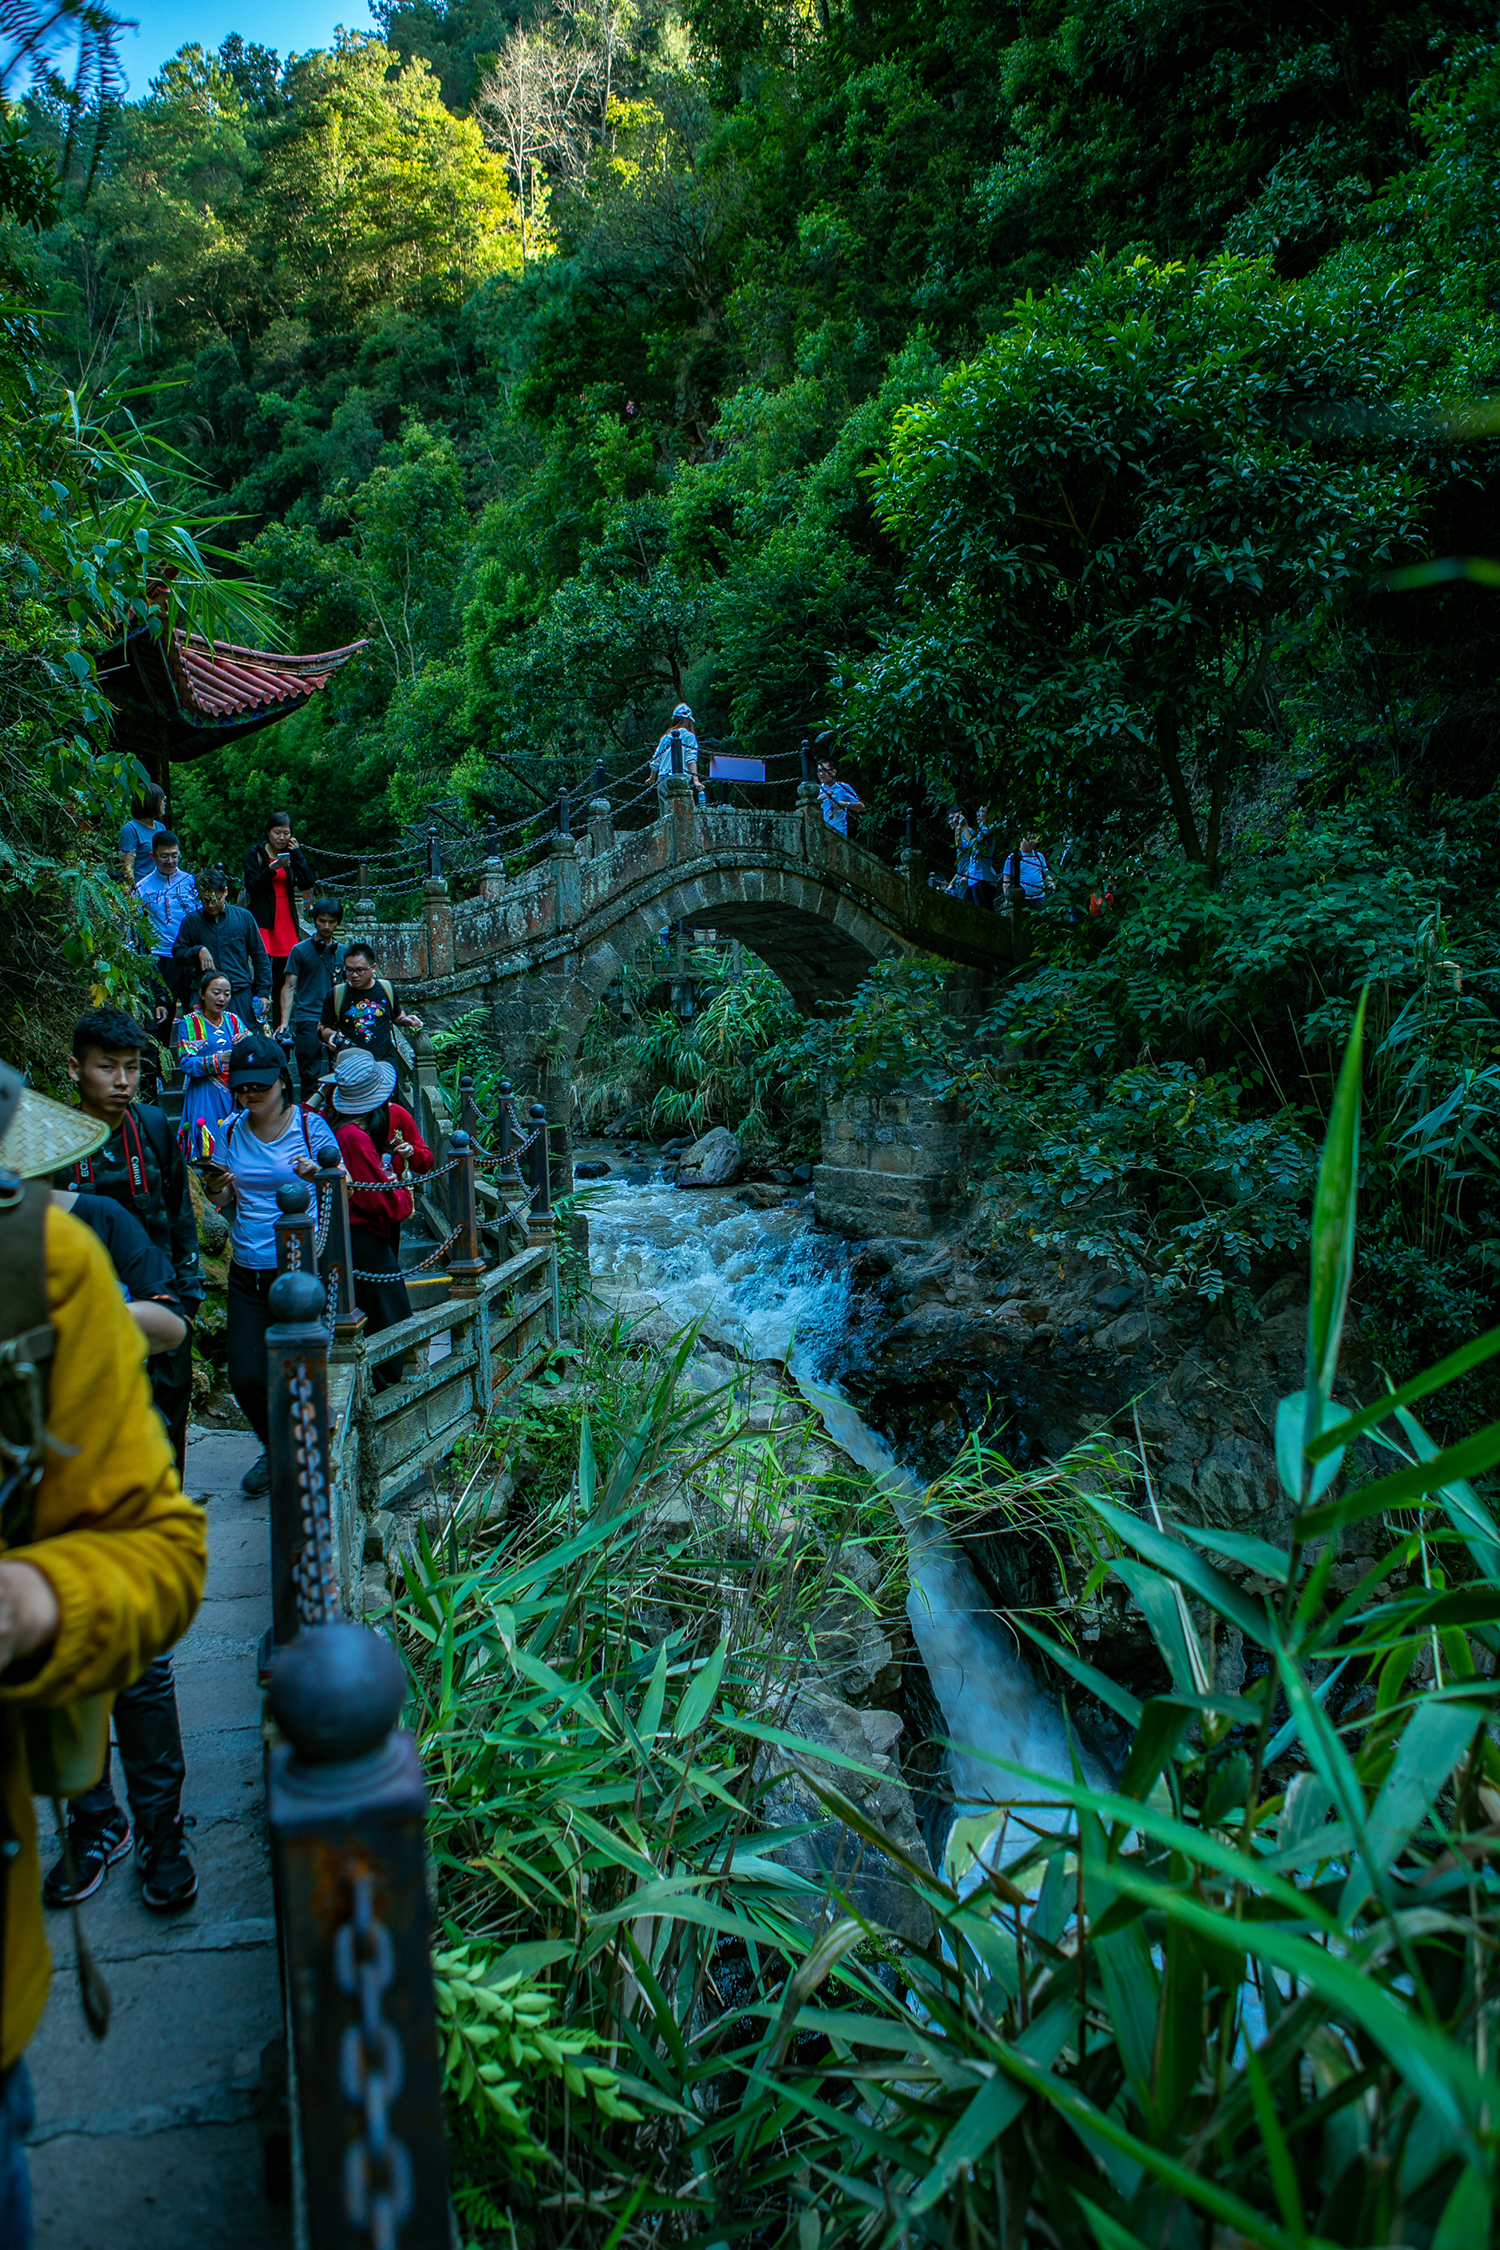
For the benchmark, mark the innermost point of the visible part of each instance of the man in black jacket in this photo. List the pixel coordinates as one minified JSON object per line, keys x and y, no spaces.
{"x":142,"y":1167}
{"x":134,"y":1194}
{"x":148,"y":1733}
{"x":227,"y":938}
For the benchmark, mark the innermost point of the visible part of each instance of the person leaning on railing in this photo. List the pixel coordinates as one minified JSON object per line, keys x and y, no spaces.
{"x":103,"y":1558}
{"x":269,"y":1141}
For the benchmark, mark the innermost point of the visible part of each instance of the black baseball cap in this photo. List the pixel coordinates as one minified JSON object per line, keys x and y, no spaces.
{"x":256,"y":1061}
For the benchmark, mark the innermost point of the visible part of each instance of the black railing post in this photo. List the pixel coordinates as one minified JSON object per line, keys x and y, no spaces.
{"x":336,"y":1263}
{"x":564,"y":819}
{"x":502,"y":1132}
{"x":541,"y":1163}
{"x":491,"y":836}
{"x":302,"y":1563}
{"x":347,"y":1814}
{"x":434,"y":850}
{"x":910,"y":830}
{"x":465,"y":1262}
{"x":296,"y":1229}
{"x":600,"y":783}
{"x":806,"y":768}
{"x":468,"y":1108}
{"x":677,"y":764}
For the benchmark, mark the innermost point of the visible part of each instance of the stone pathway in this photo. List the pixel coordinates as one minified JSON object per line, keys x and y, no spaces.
{"x":152,"y":2140}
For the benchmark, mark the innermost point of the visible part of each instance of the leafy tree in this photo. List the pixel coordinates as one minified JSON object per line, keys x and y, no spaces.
{"x":372,"y":193}
{"x":1121,"y":521}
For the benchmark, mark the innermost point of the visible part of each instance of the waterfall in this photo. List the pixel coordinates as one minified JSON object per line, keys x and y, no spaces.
{"x":765,"y":1285}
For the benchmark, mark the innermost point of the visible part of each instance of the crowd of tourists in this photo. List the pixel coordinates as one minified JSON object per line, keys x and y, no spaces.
{"x":286,"y":1043}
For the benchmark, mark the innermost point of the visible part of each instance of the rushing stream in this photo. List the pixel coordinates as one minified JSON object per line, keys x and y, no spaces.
{"x":765,"y":1286}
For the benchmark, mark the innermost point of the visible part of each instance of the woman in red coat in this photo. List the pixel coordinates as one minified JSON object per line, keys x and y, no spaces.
{"x":380,"y":1145}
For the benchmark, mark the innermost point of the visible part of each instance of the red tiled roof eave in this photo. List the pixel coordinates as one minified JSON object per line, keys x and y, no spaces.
{"x":218,"y":682}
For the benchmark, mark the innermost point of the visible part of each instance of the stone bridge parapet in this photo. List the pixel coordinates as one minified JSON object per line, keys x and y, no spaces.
{"x":537,"y":950}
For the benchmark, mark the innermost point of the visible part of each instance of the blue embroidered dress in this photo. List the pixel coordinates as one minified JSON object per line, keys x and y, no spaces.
{"x":203,"y":1052}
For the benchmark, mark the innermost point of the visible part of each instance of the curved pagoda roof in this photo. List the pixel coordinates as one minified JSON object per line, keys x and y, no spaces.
{"x":177,"y":695}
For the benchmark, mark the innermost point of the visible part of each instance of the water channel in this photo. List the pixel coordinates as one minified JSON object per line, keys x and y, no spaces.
{"x":766,"y":1286}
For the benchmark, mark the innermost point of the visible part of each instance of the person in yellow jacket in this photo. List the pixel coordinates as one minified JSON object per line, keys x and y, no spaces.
{"x":108,"y":1574}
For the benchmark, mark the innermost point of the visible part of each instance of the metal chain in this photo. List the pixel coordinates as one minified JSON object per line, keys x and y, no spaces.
{"x":325,"y":1213}
{"x":405,"y":1270}
{"x":317,"y":1598}
{"x":372,"y":2067}
{"x":331,"y":1300}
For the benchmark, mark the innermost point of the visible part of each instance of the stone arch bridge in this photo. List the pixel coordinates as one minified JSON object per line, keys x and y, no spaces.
{"x":537,"y":950}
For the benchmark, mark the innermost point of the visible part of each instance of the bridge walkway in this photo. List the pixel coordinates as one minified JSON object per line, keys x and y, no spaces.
{"x":153,"y":2140}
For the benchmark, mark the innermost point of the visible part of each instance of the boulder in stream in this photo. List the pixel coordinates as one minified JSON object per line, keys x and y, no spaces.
{"x":713,"y":1161}
{"x":833,"y":1855}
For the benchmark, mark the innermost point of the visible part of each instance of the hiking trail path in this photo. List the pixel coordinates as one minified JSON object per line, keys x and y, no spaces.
{"x":152,"y":2140}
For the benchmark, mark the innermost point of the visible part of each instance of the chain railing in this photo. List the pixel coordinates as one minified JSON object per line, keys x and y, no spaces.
{"x":347,"y":1814}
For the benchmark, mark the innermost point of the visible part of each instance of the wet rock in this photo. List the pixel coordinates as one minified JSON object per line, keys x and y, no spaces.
{"x":1116,"y":1298}
{"x":592,"y":1168}
{"x":760,"y":1195}
{"x":713,"y":1161}
{"x":857,"y":1651}
{"x":832,"y":1856}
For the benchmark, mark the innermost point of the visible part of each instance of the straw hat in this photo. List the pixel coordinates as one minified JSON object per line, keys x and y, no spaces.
{"x":360,"y":1083}
{"x":38,"y":1135}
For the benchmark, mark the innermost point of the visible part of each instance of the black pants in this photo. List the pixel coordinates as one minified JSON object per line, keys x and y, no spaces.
{"x":249,"y":1316}
{"x":382,"y":1301}
{"x":982,"y":894}
{"x":149,"y":1741}
{"x":172,"y":1393}
{"x":313,"y":1058}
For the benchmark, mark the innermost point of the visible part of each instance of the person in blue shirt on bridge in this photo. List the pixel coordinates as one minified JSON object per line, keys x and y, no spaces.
{"x":169,"y":895}
{"x":836,"y":797}
{"x":660,"y":760}
{"x":135,"y":837}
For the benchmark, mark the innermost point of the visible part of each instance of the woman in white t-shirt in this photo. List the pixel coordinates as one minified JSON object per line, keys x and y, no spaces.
{"x":269,"y":1140}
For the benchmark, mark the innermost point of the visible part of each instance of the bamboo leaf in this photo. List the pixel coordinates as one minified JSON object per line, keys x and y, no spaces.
{"x":1278,"y":2155}
{"x":1241,"y":1547}
{"x":1433,"y":1740}
{"x":996,"y":2106}
{"x":1187,"y":1568}
{"x":649,"y":1724}
{"x":1469,"y":1458}
{"x":1448,"y":1370}
{"x":698,"y":1696}
{"x":1467,"y":1513}
{"x":1333,"y":1217}
{"x":1110,"y":1693}
{"x":588,"y":1468}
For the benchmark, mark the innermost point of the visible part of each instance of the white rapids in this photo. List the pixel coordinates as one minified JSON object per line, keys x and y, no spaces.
{"x":763,"y":1285}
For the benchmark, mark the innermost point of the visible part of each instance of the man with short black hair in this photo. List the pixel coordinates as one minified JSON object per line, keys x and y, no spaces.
{"x":313,"y":968}
{"x":168,"y":895}
{"x":227,"y":938}
{"x":141,"y":1168}
{"x":364,"y":1010}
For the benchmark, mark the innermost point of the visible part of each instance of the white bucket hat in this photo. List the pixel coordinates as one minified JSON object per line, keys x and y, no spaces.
{"x":360,"y":1083}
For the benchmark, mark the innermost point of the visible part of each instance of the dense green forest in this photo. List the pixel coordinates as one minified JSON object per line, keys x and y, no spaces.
{"x":1078,"y":407}
{"x":1084,"y":406}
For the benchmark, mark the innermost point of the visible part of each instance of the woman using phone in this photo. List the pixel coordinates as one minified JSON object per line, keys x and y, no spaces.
{"x":268,"y":1140}
{"x":276,"y":875}
{"x":205,"y":1040}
